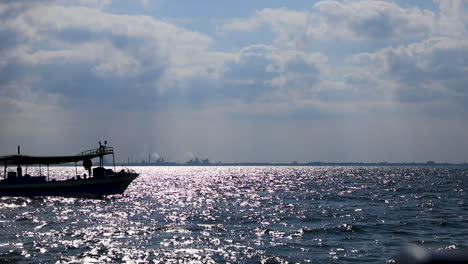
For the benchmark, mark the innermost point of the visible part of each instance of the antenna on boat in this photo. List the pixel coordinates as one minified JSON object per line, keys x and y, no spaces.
{"x":19,"y":171}
{"x":100,"y":156}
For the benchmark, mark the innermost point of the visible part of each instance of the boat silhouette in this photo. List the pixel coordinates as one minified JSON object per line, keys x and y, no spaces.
{"x":99,"y":181}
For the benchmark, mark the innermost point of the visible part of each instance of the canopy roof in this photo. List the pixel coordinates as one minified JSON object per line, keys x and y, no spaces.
{"x":47,"y":160}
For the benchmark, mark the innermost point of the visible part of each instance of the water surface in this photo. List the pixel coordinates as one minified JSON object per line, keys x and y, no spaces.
{"x":244,"y":215}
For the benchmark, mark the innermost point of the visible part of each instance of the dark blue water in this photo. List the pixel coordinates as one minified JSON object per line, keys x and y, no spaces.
{"x":244,"y":215}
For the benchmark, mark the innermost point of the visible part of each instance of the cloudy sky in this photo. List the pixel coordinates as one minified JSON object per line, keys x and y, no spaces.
{"x":266,"y":80}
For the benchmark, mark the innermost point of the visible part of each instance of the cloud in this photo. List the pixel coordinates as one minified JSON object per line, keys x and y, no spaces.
{"x":369,"y":20}
{"x":288,"y":25}
{"x":93,"y":52}
{"x":270,"y":16}
{"x":342,"y":20}
{"x":245,"y":25}
{"x":262,"y":71}
{"x":434,"y":69}
{"x":453,"y":19}
{"x":83,"y":54}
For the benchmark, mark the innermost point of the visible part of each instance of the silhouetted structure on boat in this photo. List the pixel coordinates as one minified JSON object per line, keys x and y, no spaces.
{"x":99,"y":181}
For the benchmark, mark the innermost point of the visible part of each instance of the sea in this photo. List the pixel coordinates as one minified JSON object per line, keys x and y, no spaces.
{"x":244,"y":215}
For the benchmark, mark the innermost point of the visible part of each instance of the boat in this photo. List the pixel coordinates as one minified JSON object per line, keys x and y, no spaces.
{"x":98,"y":182}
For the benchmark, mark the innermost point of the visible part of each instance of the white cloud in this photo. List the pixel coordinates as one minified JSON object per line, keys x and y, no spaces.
{"x":148,"y":52}
{"x":364,"y":20}
{"x":276,"y":18}
{"x":288,"y":25}
{"x":246,"y":25}
{"x":434,"y":69}
{"x":93,"y":3}
{"x":453,"y":17}
{"x":140,"y":53}
{"x":343,"y":20}
{"x":431,"y":69}
{"x":113,"y":45}
{"x":269,"y":68}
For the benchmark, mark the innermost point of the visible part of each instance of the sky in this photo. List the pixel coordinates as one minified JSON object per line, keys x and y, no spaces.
{"x":237,"y":81}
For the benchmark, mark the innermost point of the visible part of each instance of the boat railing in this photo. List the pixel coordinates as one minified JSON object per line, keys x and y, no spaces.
{"x":104,"y":150}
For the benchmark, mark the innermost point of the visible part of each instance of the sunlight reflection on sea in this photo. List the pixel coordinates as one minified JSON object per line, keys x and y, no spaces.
{"x":243,"y":214}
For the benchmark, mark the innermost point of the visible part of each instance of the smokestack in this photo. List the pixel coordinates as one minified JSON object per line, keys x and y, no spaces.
{"x":19,"y":149}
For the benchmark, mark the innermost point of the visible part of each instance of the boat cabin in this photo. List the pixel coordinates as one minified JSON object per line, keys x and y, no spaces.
{"x":19,"y":160}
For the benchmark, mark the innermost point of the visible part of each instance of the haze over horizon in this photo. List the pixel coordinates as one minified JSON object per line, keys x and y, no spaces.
{"x":262,"y":81}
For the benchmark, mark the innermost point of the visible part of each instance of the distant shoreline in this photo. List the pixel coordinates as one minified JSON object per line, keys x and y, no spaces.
{"x":266,"y":164}
{"x":310,"y":164}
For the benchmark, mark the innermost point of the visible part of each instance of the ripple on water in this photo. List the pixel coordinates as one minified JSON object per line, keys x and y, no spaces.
{"x":244,"y":214}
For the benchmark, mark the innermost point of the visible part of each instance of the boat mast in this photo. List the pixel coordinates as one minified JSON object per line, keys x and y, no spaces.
{"x":100,"y":147}
{"x":113,"y":159}
{"x":19,"y":172}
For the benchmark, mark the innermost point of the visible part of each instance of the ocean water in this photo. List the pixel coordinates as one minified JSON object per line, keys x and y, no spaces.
{"x":244,"y":215}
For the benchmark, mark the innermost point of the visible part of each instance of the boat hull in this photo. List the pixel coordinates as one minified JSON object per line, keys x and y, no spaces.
{"x":109,"y":185}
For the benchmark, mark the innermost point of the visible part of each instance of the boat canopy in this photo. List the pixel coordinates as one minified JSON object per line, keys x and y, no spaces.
{"x":47,"y":160}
